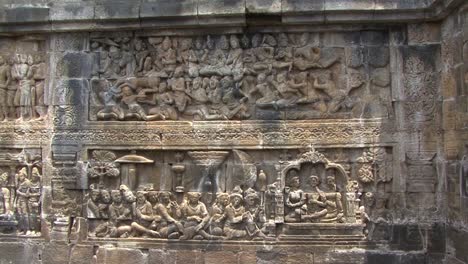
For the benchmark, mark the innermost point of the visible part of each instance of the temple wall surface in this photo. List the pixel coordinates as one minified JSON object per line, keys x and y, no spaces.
{"x":253,"y":131}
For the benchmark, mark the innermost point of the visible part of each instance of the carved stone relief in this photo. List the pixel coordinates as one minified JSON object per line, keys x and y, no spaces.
{"x":21,"y":190}
{"x":236,"y":77}
{"x":231,"y":194}
{"x":23,"y":86}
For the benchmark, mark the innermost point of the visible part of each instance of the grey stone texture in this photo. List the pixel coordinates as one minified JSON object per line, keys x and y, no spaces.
{"x":101,"y":95}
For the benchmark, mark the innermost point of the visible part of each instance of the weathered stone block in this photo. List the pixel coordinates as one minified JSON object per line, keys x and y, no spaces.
{"x":168,"y":8}
{"x":263,"y":6}
{"x":56,"y":253}
{"x":189,"y":256}
{"x":71,"y":11}
{"x":214,"y":257}
{"x":27,"y":14}
{"x":220,"y":8}
{"x":121,"y":255}
{"x":333,"y":5}
{"x":81,"y":254}
{"x":247,"y":257}
{"x":160,"y":256}
{"x":71,"y":92}
{"x":264,"y":257}
{"x":117,"y":10}
{"x":299,"y":6}
{"x":374,"y":38}
{"x":75,"y":65}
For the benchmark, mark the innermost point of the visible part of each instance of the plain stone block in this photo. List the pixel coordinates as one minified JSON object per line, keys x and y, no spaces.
{"x":117,"y":10}
{"x":168,"y":8}
{"x":378,"y":56}
{"x":120,"y":255}
{"x":26,"y":14}
{"x":220,"y":8}
{"x":214,"y":257}
{"x":71,"y":11}
{"x":332,"y":5}
{"x":160,"y":256}
{"x":263,"y":6}
{"x":81,"y":254}
{"x":300,"y":6}
{"x":55,"y":253}
{"x":422,"y":33}
{"x":189,"y":256}
{"x":374,"y":38}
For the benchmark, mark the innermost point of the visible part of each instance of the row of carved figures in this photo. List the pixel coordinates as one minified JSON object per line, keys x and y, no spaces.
{"x":195,"y":77}
{"x":239,"y":214}
{"x":20,"y":205}
{"x":22,"y":87}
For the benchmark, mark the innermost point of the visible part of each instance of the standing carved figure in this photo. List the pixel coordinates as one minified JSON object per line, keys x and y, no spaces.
{"x":34,"y":202}
{"x":5,"y":202}
{"x":21,"y":203}
{"x":23,"y":73}
{"x":5,"y":79}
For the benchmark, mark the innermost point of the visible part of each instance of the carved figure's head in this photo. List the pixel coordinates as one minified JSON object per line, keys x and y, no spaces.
{"x":141,"y":197}
{"x":153,"y":197}
{"x":116,"y":196}
{"x":193,"y":197}
{"x":234,"y":41}
{"x":222,"y":199}
{"x":35,"y":175}
{"x":166,"y":44}
{"x":105,"y":196}
{"x":94,"y":194}
{"x":283,"y":40}
{"x":314,"y":180}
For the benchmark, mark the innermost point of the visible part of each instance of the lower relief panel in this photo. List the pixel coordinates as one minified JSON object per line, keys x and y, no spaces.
{"x":237,"y":194}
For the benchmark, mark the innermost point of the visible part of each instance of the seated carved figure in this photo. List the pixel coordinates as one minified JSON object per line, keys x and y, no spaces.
{"x":334,"y":203}
{"x":143,"y":217}
{"x":118,"y":213}
{"x":196,"y":218}
{"x":315,"y":209}
{"x":294,"y":199}
{"x":218,"y":214}
{"x":169,"y":226}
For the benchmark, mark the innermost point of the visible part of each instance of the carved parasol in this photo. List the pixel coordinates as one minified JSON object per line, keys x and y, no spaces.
{"x":128,"y":165}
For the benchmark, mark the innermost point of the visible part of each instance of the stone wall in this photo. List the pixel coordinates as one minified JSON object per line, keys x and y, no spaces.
{"x":236,"y":131}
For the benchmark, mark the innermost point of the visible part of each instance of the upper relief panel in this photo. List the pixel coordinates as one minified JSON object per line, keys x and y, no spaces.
{"x":23,"y":70}
{"x":277,"y":76}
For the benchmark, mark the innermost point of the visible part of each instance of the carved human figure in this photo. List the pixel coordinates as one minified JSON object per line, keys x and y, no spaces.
{"x":179,"y":90}
{"x":144,"y":217}
{"x":5,"y":198}
{"x":197,"y":56}
{"x":23,"y":73}
{"x":336,"y":95}
{"x":295,"y":198}
{"x":92,"y":205}
{"x":255,"y":217}
{"x":268,"y":96}
{"x":143,"y":60}
{"x":218,"y":214}
{"x":34,"y":202}
{"x":112,"y":109}
{"x":21,"y":203}
{"x":169,"y":226}
{"x":168,"y":56}
{"x":135,"y":110}
{"x":117,"y":214}
{"x":196,"y":218}
{"x":334,"y":203}
{"x":288,"y":91}
{"x":316,"y":207}
{"x":104,"y":204}
{"x":5,"y":80}
{"x":38,"y":75}
{"x":283,"y":54}
{"x":305,"y":55}
{"x":235,"y":215}
{"x":234,"y":100}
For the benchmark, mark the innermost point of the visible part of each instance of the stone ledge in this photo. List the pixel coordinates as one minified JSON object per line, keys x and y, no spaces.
{"x":95,"y":15}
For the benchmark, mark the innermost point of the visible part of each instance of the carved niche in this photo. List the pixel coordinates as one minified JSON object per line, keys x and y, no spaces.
{"x":226,"y":194}
{"x":281,"y":76}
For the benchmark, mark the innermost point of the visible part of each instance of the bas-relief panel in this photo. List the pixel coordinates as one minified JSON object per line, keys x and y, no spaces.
{"x":236,"y":194}
{"x":23,"y":87}
{"x":280,"y":76}
{"x":21,"y":191}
